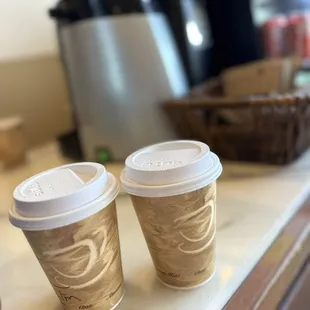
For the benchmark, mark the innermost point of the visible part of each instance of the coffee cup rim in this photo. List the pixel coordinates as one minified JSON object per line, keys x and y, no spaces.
{"x":208,"y":176}
{"x":98,"y":199}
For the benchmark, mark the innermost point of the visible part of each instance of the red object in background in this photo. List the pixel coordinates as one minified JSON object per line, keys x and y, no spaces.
{"x":274,"y":32}
{"x":295,"y":35}
{"x":306,"y":37}
{"x":298,"y":35}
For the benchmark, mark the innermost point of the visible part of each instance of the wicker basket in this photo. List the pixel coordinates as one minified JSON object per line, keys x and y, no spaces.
{"x":264,"y":128}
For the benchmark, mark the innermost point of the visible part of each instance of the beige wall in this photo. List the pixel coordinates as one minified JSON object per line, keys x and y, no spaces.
{"x":26,"y":30}
{"x":35,"y":89}
{"x":32,"y":83}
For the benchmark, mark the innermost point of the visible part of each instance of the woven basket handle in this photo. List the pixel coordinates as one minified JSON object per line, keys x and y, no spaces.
{"x":207,"y":103}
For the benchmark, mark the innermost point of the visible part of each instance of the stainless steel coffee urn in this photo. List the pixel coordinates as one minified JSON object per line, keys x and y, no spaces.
{"x":121,"y":61}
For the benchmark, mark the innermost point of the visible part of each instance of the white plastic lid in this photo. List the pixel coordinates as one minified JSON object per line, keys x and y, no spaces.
{"x":170,"y":168}
{"x":62,"y":196}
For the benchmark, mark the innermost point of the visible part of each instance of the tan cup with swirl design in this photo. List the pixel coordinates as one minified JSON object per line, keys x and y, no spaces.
{"x":75,"y":237}
{"x":177,"y":217}
{"x":180,"y":233}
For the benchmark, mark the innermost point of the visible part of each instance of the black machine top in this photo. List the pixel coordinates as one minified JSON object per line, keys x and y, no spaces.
{"x":75,"y":10}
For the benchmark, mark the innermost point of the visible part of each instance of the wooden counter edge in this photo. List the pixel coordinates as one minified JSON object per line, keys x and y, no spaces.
{"x":272,"y":277}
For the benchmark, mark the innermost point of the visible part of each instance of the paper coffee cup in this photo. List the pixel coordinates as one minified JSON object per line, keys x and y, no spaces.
{"x":68,"y":216}
{"x":173,"y":190}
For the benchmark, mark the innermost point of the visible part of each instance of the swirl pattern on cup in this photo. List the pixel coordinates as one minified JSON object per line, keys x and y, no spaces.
{"x":180,"y":233}
{"x":82,"y":261}
{"x":196,"y":220}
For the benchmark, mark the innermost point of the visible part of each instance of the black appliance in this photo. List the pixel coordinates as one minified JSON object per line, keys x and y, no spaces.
{"x":190,"y":25}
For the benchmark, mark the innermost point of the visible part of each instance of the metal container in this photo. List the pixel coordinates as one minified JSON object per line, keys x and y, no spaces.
{"x":121,"y":62}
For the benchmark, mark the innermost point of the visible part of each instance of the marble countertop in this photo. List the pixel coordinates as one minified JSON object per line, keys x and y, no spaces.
{"x":254,"y":203}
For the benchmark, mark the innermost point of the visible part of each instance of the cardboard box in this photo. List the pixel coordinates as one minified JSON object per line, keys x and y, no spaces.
{"x":260,"y":77}
{"x":12,"y":142}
